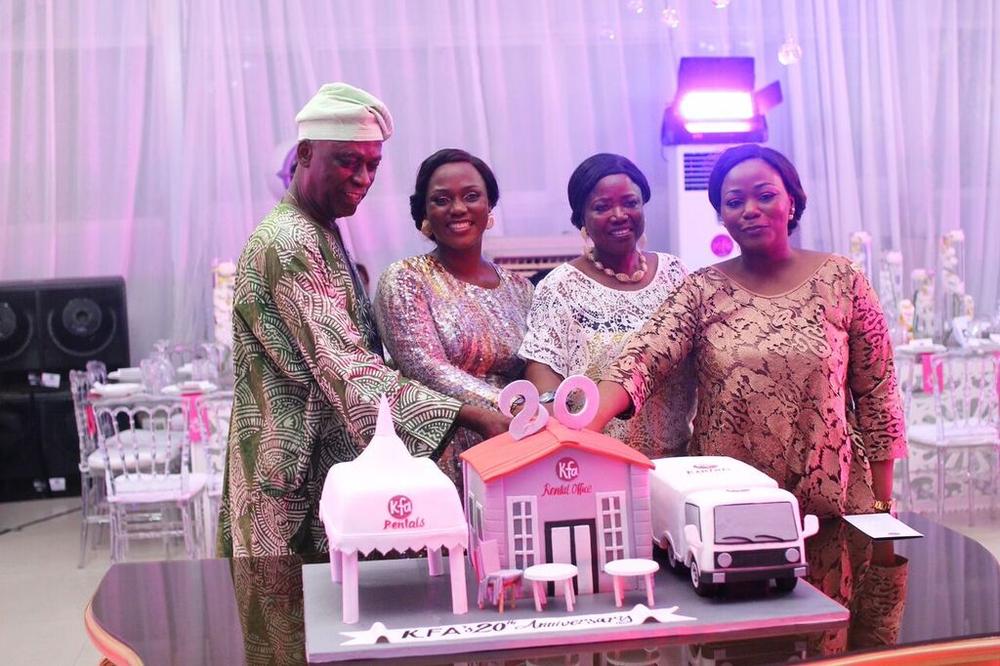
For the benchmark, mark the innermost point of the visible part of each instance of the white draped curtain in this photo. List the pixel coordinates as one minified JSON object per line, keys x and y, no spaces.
{"x":141,"y":137}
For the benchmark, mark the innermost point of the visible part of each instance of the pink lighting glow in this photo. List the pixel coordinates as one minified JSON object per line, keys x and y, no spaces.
{"x":718,"y":126}
{"x":717,"y":105}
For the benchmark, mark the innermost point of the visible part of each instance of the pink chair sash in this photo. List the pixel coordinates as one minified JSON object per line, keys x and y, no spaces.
{"x":195,"y":412}
{"x":925,"y":359}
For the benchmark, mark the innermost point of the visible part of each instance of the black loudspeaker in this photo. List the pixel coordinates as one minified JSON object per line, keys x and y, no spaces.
{"x":39,"y":446}
{"x":83,"y":320}
{"x":19,"y":337}
{"x":59,"y":443}
{"x":20,"y":456}
{"x":51,"y":326}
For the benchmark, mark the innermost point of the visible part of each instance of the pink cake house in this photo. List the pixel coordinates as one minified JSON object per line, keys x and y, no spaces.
{"x":560,"y":495}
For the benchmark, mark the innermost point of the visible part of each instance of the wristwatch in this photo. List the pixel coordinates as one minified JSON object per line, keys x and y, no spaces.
{"x":543,"y":399}
{"x":884,"y":506}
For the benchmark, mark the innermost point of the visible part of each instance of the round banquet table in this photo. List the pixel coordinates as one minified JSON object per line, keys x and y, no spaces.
{"x":250,"y":611}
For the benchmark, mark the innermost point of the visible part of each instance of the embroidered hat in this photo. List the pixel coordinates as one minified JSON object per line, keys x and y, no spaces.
{"x":341,"y":112}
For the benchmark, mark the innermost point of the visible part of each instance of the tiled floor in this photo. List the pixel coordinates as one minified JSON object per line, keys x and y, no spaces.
{"x":45,"y":593}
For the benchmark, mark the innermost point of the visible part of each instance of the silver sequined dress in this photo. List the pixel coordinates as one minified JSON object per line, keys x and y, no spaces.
{"x":452,"y":336}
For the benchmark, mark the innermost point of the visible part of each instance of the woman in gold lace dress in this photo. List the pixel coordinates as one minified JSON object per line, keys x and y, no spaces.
{"x":794,"y":363}
{"x":451,"y":319}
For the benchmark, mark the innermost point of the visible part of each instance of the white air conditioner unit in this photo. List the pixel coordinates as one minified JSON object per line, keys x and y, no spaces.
{"x":697,"y":235}
{"x":529,"y":254}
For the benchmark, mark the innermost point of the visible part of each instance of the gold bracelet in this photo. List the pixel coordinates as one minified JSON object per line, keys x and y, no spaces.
{"x":884,"y":506}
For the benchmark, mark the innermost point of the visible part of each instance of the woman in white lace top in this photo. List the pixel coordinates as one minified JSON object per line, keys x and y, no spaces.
{"x":585,"y":312}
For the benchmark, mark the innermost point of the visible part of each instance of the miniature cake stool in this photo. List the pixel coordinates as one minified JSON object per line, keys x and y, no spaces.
{"x":621,"y":569}
{"x":553,"y":572}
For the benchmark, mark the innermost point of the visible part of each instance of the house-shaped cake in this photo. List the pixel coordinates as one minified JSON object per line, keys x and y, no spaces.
{"x":560,"y":495}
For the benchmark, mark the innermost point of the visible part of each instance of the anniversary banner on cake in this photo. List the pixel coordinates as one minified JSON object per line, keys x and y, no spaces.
{"x":456,"y":632}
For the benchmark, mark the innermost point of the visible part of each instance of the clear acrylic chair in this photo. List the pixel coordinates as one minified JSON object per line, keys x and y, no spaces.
{"x":151,"y":490}
{"x":92,"y":490}
{"x":964,"y":435}
{"x":214,"y":412}
{"x":97,"y":372}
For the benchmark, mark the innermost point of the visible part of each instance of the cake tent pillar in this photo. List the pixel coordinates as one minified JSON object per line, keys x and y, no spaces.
{"x":335,"y":565}
{"x":435,"y":565}
{"x":459,"y":594}
{"x":350,"y":586}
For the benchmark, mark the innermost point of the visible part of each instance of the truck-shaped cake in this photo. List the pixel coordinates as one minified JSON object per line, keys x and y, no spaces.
{"x":727,"y":522}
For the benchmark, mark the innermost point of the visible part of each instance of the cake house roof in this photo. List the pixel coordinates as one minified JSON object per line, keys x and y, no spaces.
{"x":386,"y":499}
{"x":501,"y":455}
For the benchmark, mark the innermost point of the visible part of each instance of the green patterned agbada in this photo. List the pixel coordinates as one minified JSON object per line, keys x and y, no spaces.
{"x":308,"y":376}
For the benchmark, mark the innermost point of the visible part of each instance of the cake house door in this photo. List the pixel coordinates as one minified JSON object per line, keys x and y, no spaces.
{"x":574,"y":541}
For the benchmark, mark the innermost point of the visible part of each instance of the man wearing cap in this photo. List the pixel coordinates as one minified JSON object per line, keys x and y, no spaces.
{"x":307,"y":358}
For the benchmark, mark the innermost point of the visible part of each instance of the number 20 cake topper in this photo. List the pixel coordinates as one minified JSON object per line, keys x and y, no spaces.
{"x":533,"y":415}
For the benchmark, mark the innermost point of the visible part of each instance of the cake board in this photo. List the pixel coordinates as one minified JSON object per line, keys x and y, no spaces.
{"x":405,"y":613}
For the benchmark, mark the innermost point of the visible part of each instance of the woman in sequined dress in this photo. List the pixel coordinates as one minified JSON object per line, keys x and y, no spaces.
{"x":451,"y":319}
{"x":585,"y":311}
{"x":794,"y":362}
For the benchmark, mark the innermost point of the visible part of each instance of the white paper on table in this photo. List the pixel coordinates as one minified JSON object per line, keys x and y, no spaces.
{"x":882,"y":526}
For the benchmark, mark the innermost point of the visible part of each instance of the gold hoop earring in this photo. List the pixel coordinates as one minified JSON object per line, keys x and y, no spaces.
{"x":425,"y":229}
{"x":490,"y":221}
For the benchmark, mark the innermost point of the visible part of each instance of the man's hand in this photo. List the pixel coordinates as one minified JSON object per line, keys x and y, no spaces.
{"x":487,"y":422}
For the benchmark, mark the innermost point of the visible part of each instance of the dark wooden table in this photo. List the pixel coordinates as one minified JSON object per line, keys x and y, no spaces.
{"x":250,"y":611}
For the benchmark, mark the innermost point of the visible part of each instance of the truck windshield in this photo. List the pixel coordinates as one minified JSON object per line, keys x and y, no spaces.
{"x":755,"y":523}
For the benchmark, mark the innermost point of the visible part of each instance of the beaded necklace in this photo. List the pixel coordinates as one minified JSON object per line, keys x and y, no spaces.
{"x":621,"y":277}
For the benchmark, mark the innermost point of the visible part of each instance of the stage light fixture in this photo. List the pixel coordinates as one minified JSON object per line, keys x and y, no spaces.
{"x":715,"y":103}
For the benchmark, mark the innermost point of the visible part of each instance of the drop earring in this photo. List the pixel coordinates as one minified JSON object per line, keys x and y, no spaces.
{"x":425,"y":229}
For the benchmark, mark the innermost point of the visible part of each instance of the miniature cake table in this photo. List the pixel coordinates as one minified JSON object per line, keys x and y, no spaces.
{"x":552,"y":572}
{"x":621,"y":569}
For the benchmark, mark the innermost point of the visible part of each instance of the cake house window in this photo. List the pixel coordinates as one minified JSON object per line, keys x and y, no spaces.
{"x":612,"y":526}
{"x":477,"y":519}
{"x":522,"y":531}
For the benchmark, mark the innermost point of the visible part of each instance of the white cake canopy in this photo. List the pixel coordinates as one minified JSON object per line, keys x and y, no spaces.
{"x":386,"y":499}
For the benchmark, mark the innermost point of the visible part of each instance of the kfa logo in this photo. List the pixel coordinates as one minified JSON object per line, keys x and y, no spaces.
{"x":400,"y":507}
{"x":567,"y":469}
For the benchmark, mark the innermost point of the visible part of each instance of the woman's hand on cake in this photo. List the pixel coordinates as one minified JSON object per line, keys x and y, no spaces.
{"x":614,"y":400}
{"x":487,"y":422}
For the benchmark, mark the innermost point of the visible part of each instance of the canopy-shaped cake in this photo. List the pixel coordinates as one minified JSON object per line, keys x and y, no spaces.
{"x":386,"y":499}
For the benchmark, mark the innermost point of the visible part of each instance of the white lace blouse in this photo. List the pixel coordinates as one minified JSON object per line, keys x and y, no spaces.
{"x":579,"y":326}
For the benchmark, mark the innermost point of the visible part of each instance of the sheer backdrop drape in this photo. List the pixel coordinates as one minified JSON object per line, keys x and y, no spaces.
{"x":141,"y":138}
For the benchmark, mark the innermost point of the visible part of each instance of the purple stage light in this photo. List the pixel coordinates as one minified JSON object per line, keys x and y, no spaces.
{"x":715,"y":103}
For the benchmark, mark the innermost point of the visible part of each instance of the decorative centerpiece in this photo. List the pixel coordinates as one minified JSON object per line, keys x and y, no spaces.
{"x":861,"y":251}
{"x":223,"y":283}
{"x":890,"y":294}
{"x":904,"y":321}
{"x":922,"y":286}
{"x":956,"y":302}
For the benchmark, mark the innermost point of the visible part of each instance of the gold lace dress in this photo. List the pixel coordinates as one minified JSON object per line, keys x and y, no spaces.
{"x":800,"y":385}
{"x":457,"y":338}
